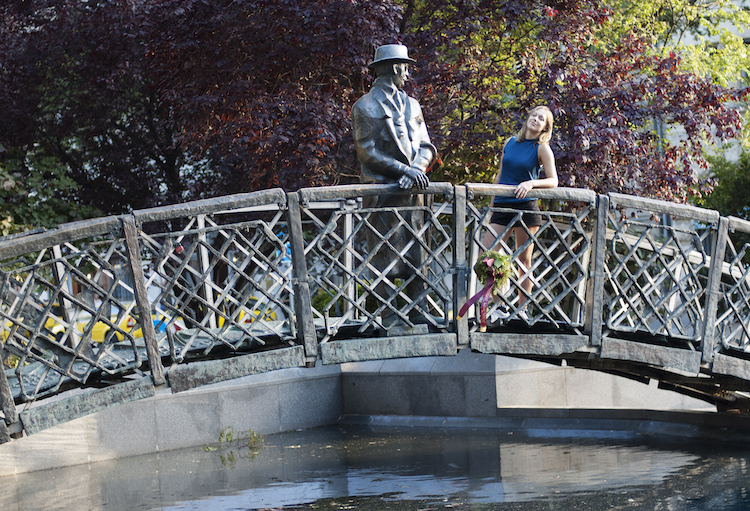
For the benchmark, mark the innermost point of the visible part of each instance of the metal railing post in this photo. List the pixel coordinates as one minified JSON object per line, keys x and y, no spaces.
{"x":205,"y":269}
{"x":714,"y":281}
{"x":460,"y":279}
{"x":301,"y":279}
{"x":141,"y":299}
{"x":595,"y":294}
{"x":351,"y":288}
{"x":58,"y":270}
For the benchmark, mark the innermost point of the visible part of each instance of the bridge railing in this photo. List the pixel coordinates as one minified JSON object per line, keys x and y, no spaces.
{"x":196,"y":293}
{"x":658,"y":260}
{"x":219,"y":273}
{"x":727,"y":341}
{"x":561,"y":254}
{"x":348,"y":289}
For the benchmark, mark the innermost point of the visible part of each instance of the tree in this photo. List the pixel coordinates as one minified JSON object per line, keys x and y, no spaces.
{"x":733,"y":187}
{"x":269,"y":104}
{"x":705,"y":33}
{"x":513,"y":55}
{"x":729,"y":197}
{"x":145,"y":103}
{"x":150,"y":103}
{"x":72,"y":76}
{"x":29,"y":196}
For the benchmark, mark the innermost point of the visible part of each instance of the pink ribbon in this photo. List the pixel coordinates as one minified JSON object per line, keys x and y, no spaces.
{"x":484,"y":294}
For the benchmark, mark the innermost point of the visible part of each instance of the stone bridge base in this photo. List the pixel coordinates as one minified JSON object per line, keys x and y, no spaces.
{"x":470,"y":389}
{"x":478,"y":385}
{"x":274,"y":402}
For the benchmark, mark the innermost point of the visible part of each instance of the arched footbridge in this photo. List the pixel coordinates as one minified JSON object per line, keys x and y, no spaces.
{"x":106,"y":311}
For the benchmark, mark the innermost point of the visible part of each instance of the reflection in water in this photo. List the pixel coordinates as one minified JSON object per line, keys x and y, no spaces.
{"x":355,"y":468}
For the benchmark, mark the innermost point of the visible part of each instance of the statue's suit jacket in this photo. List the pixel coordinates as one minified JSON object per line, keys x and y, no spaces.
{"x":385,"y":152}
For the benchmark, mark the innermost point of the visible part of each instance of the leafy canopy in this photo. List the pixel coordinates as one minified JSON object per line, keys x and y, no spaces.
{"x":609,"y":95}
{"x":705,"y":33}
{"x":128,"y":105}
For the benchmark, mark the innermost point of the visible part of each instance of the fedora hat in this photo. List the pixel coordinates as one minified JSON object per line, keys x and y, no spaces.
{"x":391,"y":53}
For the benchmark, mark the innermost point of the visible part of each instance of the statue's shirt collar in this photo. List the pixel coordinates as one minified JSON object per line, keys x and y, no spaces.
{"x":393,"y":99}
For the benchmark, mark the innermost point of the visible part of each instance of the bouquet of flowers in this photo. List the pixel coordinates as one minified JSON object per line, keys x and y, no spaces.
{"x":493,"y":270}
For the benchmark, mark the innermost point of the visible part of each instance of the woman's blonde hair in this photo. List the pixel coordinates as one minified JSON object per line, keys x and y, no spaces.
{"x":546,"y":135}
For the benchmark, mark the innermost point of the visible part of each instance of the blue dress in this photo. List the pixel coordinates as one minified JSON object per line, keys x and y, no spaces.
{"x":520,"y":163}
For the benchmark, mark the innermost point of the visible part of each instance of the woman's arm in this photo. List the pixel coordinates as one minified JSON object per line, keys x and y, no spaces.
{"x":547,"y":159}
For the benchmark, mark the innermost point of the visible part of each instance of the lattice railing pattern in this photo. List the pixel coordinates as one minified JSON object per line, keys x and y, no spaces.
{"x":217,"y":284}
{"x":560,"y":258}
{"x":251,"y":273}
{"x":68,"y":315}
{"x":217,"y":280}
{"x":350,"y":290}
{"x":733,"y":311}
{"x":656,"y":274}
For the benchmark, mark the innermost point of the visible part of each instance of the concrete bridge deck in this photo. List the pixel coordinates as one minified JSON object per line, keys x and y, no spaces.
{"x":251,"y":283}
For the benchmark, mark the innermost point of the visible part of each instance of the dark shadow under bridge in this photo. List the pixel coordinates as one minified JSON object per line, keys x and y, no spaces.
{"x":106,"y":311}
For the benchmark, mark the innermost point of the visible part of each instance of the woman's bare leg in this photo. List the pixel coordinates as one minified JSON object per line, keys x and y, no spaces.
{"x":489,"y":238}
{"x":524,"y":258}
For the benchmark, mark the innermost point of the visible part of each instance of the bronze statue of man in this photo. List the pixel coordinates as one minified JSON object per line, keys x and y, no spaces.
{"x":393,"y":146}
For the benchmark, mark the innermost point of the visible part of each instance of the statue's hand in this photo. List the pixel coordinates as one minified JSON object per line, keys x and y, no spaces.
{"x":405,"y":182}
{"x":418,"y":177}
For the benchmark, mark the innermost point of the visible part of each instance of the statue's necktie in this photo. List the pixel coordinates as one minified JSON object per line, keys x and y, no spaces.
{"x":400,"y":122}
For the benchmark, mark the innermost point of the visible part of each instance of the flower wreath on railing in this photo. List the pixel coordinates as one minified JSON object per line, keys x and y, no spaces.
{"x":493,"y":269}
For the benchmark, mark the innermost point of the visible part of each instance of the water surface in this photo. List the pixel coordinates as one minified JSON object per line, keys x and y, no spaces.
{"x":401,"y":469}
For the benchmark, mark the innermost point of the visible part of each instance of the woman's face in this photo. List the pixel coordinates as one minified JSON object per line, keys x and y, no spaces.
{"x":537,"y":121}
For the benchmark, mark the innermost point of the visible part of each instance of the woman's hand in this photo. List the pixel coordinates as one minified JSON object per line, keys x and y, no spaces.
{"x":523,"y":188}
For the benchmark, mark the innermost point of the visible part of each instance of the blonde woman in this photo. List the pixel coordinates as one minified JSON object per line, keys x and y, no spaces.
{"x":527,"y":162}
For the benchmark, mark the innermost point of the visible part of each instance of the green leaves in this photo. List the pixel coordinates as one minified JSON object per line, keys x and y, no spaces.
{"x":248,"y":445}
{"x":614,"y":93}
{"x":706,"y":34}
{"x":493,"y":264}
{"x":127,"y":106}
{"x":34,"y":194}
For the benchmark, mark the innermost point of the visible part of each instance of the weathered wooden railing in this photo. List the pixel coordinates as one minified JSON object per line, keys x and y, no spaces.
{"x":196,"y":293}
